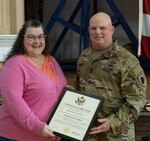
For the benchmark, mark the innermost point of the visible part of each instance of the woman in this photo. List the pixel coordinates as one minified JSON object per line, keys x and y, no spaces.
{"x":31,"y":82}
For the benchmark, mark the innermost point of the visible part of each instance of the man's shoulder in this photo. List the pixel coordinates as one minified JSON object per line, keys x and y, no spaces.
{"x":125,"y":57}
{"x":125,"y":54}
{"x":86,"y":50}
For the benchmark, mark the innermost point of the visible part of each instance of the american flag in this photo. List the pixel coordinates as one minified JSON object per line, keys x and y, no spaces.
{"x":144,"y":28}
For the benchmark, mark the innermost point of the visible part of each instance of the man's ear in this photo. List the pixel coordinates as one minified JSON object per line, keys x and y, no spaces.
{"x":113,"y":29}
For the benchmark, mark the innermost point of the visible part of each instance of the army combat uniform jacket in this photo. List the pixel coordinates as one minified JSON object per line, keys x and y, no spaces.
{"x":116,"y":75}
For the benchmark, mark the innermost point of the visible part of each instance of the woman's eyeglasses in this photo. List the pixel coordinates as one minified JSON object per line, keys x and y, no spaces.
{"x":32,"y":37}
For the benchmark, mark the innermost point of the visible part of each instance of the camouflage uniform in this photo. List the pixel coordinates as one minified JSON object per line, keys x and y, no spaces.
{"x":116,"y":75}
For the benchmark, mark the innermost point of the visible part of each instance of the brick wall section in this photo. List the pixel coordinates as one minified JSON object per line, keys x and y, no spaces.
{"x":142,"y":127}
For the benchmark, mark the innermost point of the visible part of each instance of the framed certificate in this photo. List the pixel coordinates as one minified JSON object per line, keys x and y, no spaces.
{"x":74,"y":114}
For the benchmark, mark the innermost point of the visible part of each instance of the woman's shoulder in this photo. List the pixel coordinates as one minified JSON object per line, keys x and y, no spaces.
{"x":15,"y":60}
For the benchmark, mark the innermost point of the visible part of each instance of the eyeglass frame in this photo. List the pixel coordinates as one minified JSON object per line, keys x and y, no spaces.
{"x":31,"y":37}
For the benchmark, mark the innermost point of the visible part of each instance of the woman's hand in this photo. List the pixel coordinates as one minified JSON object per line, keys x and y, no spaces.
{"x":103,"y":127}
{"x":70,"y":87}
{"x":47,"y":132}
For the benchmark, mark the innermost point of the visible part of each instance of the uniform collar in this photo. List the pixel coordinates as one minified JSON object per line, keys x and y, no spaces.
{"x":107,"y":53}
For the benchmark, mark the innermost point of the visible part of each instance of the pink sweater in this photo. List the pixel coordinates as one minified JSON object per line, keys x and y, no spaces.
{"x":29,"y":97}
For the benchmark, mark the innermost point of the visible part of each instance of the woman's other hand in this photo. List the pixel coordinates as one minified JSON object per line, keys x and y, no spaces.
{"x":47,"y":132}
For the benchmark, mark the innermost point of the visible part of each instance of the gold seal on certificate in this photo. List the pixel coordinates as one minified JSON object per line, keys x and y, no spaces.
{"x":74,"y":114}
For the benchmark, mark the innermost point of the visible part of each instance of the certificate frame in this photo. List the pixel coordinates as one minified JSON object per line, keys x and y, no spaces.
{"x":74,"y":114}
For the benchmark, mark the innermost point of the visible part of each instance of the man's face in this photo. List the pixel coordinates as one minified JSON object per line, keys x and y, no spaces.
{"x":100,"y":31}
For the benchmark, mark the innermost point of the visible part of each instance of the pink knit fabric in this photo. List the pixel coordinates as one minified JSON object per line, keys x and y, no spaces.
{"x":29,"y":97}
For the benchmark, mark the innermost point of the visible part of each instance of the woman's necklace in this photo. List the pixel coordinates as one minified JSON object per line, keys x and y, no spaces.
{"x":38,"y":61}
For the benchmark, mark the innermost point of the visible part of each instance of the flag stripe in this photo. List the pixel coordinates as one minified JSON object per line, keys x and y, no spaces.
{"x":146,"y":6}
{"x":146,"y":25}
{"x":145,"y":46}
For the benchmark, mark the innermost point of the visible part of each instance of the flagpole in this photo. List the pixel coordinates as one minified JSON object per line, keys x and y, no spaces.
{"x":140,"y":26}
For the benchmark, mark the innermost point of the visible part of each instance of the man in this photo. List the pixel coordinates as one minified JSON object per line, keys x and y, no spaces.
{"x":106,"y":69}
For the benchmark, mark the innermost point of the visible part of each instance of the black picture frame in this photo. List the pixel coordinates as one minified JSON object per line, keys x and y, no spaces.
{"x":60,"y":116}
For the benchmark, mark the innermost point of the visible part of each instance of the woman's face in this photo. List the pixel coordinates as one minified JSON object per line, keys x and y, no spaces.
{"x":34,"y":41}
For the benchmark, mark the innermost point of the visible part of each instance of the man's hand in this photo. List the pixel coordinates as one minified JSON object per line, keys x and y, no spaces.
{"x":103,"y":127}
